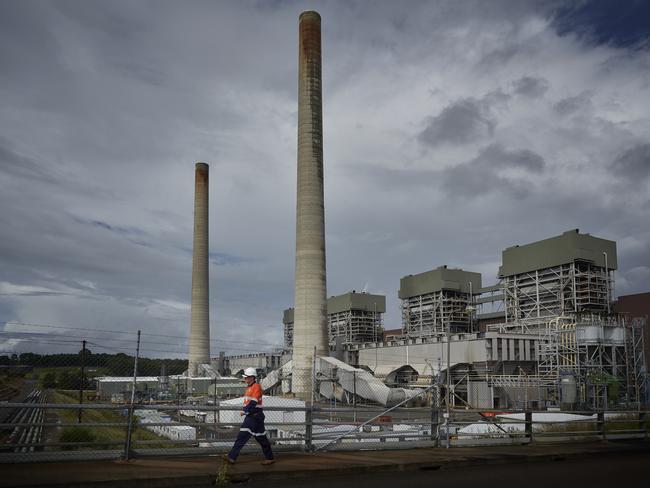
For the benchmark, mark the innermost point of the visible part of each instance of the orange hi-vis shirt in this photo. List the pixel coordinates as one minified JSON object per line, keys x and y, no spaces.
{"x":253,"y":393}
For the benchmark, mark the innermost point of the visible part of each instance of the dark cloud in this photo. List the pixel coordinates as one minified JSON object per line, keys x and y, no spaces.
{"x":224,"y":259}
{"x":571,"y":105}
{"x":488,"y":173}
{"x":633,"y":165}
{"x":107,"y":105}
{"x":463,"y":121}
{"x":18,"y":166}
{"x":620,"y":24}
{"x":530,"y":86}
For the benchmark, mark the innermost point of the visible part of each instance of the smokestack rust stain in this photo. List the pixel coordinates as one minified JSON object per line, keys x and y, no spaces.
{"x":310,"y":76}
{"x":201,"y":174}
{"x":201,"y":178}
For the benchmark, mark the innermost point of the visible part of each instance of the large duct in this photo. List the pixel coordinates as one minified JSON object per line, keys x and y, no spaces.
{"x":310,"y":314}
{"x":200,"y":314}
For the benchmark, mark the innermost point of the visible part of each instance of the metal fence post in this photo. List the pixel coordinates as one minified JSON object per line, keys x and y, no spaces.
{"x":529,"y":426}
{"x":313,"y":377}
{"x":642,"y":424}
{"x":309,"y":424}
{"x":354,"y":395}
{"x":600,"y":424}
{"x":81,"y":382}
{"x":129,"y":430}
{"x":435,"y":416}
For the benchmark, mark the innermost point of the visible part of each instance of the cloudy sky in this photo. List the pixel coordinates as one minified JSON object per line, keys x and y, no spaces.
{"x":452,"y":129}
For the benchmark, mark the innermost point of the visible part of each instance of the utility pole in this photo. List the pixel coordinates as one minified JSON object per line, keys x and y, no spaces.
{"x":129,"y":430}
{"x":81,"y":383}
{"x":447,"y":397}
{"x":354,"y":394}
{"x":214,"y":401}
{"x":607,"y":281}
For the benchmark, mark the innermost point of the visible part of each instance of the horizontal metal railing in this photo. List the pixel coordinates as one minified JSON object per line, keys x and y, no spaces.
{"x":324,"y":426}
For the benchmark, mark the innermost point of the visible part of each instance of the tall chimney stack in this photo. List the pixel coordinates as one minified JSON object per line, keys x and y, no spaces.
{"x":200,"y":314}
{"x":310,"y":313}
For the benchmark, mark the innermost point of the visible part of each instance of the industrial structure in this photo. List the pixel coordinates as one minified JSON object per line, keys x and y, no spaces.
{"x":545,"y":335}
{"x":556,"y":340}
{"x":438,"y":300}
{"x":352,"y":318}
{"x":570,"y":273}
{"x":199,"y":346}
{"x":310,"y":326}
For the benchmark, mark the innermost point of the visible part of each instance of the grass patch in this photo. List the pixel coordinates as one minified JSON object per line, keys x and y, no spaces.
{"x":100,"y":433}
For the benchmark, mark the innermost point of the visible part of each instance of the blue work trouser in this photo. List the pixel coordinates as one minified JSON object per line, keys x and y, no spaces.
{"x":253,"y":425}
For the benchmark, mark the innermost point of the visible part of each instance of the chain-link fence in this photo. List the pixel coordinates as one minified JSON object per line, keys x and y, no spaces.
{"x":103,"y":400}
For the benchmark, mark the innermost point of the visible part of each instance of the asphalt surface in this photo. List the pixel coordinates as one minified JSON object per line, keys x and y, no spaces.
{"x":495,"y":465}
{"x":617,"y":470}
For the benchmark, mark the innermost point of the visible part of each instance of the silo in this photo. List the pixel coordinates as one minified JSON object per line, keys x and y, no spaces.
{"x":199,"y":350}
{"x":310,"y":314}
{"x":568,"y":392}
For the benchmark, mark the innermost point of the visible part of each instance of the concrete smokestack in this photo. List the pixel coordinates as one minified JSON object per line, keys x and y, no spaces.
{"x":310,"y":314}
{"x":200,"y":315}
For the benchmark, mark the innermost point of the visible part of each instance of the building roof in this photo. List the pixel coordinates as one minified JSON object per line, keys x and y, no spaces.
{"x":119,"y":379}
{"x":356,"y":301}
{"x":348,"y":301}
{"x":566,"y":248}
{"x":441,"y":278}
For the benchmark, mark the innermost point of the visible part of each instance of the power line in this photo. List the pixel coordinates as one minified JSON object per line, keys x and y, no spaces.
{"x":41,"y":338}
{"x":108,"y":331}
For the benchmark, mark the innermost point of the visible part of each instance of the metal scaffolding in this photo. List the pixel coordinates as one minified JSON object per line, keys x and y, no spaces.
{"x":602,"y":355}
{"x":350,"y":326}
{"x":355,"y":326}
{"x":288,"y":335}
{"x":436,"y":313}
{"x":576,"y":287}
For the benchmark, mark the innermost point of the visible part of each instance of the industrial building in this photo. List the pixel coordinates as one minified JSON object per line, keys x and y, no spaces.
{"x":546,"y":335}
{"x":570,"y":273}
{"x":352,"y":318}
{"x":263,"y":362}
{"x":439,"y":300}
{"x":162,"y":388}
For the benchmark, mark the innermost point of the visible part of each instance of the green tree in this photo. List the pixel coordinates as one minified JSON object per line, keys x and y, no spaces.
{"x":49,"y":380}
{"x":67,"y":380}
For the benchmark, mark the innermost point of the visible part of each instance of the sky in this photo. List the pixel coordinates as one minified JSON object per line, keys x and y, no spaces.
{"x":452,"y":130}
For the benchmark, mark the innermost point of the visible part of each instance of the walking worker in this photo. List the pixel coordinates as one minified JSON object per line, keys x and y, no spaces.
{"x":253,"y":424}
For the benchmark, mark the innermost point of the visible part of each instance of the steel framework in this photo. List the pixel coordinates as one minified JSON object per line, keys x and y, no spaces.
{"x":352,"y":326}
{"x":355,"y":326}
{"x":576,"y":287}
{"x":436,"y":313}
{"x":603,"y":354}
{"x":288,"y":335}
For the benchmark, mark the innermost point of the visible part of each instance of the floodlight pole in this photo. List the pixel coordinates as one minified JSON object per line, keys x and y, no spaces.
{"x":607,"y":281}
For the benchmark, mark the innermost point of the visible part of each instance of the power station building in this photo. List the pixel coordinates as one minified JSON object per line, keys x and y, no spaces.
{"x":546,"y":334}
{"x":352,"y":318}
{"x":438,"y":300}
{"x":570,"y":273}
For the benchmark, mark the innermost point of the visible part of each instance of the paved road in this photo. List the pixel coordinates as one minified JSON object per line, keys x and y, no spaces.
{"x":614,"y":471}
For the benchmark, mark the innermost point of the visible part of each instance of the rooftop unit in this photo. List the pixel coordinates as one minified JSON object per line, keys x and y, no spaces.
{"x":438,"y":300}
{"x":569,"y":273}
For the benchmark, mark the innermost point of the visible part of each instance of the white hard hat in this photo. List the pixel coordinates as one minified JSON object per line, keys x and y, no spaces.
{"x":250,"y":372}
